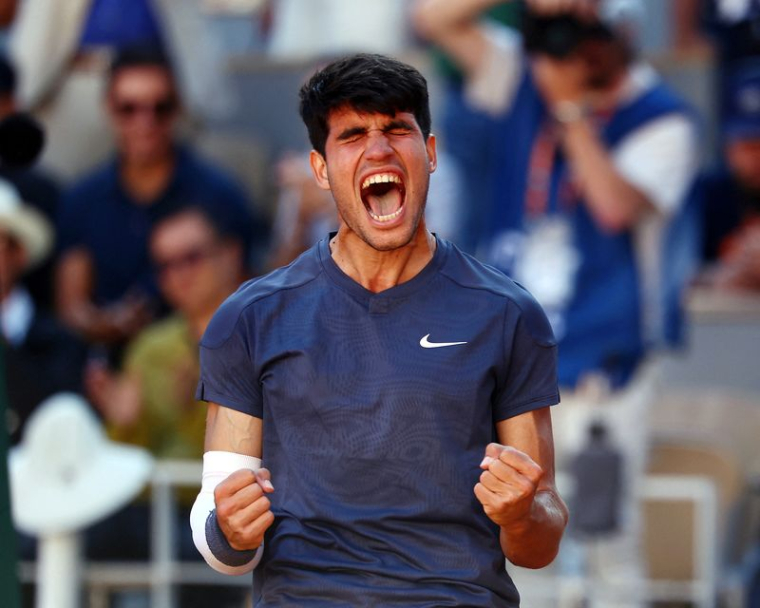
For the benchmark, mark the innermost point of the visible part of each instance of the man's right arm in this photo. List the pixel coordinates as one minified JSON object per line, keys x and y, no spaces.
{"x":489,"y":54}
{"x":453,"y":25}
{"x":232,"y":511}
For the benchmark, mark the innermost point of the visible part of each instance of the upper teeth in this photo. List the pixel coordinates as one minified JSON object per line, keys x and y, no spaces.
{"x":381,"y":178}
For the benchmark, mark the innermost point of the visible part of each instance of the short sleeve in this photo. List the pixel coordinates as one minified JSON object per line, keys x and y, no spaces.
{"x":530,"y":376}
{"x":661,"y":159}
{"x":228,"y":375}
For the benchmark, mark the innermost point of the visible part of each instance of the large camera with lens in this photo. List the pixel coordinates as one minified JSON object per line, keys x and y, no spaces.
{"x":559,"y":36}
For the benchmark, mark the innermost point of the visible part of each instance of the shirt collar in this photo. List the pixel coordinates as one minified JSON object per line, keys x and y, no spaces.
{"x":641,"y":78}
{"x":183,"y":167}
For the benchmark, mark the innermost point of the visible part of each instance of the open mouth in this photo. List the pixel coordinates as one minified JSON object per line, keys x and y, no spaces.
{"x":383,"y":196}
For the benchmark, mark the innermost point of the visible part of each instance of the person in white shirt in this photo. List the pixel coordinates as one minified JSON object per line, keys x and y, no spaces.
{"x":595,"y":162}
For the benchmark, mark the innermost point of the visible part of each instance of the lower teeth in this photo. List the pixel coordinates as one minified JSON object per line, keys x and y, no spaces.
{"x":385,"y":218}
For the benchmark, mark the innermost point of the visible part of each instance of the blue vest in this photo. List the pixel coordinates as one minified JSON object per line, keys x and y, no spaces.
{"x":603,"y":320}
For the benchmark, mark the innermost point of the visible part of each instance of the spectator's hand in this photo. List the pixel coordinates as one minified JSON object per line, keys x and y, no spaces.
{"x":560,"y":80}
{"x":508,"y":484}
{"x":585,"y":9}
{"x":242,"y":508}
{"x":129,"y":315}
{"x":115,"y":396}
{"x":113,"y":323}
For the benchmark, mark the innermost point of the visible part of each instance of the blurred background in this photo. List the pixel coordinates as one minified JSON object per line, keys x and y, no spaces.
{"x":175,"y":166}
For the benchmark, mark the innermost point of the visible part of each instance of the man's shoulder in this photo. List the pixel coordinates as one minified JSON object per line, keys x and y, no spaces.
{"x":92,"y":185}
{"x":197,"y":168}
{"x":467,"y":272}
{"x":261,"y":292}
{"x":652,"y":97}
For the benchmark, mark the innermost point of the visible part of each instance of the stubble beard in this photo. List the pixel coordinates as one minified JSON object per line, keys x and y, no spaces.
{"x":368,"y":238}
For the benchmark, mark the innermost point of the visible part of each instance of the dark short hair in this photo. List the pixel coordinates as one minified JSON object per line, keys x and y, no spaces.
{"x":367,"y":83}
{"x":221,"y":229}
{"x":141,"y":56}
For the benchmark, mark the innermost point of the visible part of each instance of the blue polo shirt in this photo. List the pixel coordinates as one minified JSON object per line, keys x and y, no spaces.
{"x":99,"y":215}
{"x":376,"y":409}
{"x":119,"y":23}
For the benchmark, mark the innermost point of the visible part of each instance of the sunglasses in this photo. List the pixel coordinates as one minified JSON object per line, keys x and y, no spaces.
{"x":188,"y":260}
{"x":160,"y":110}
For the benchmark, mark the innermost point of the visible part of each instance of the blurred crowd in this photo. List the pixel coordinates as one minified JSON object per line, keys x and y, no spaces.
{"x":566,"y":160}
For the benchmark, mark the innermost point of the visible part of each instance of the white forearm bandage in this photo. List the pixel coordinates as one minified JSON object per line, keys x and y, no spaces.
{"x":207,"y":535}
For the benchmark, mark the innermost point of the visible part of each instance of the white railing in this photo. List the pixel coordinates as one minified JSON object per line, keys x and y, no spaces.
{"x":164,"y":571}
{"x":559,"y":589}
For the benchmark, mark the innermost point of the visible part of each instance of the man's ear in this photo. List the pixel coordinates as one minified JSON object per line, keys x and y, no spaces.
{"x":319,"y":168}
{"x":432,"y":153}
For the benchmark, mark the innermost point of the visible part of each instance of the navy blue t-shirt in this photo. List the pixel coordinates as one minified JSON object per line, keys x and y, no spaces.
{"x":373,"y":437}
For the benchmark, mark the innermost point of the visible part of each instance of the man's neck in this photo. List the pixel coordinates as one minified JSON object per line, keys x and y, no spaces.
{"x":376,"y":270}
{"x":145,"y":181}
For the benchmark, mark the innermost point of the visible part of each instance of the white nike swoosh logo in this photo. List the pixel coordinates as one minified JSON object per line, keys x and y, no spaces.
{"x":424,"y":343}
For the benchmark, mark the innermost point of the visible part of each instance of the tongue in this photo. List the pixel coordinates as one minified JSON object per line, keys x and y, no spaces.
{"x":384,"y":203}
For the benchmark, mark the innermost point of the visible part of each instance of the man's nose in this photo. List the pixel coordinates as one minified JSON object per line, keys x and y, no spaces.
{"x":378,"y":145}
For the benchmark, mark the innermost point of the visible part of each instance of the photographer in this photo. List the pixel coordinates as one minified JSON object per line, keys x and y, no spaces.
{"x":593,"y":167}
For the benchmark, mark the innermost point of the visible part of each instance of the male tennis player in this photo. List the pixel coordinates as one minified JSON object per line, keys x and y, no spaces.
{"x":396,"y":389}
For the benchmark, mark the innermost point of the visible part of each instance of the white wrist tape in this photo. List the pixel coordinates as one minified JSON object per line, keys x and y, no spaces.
{"x":207,"y":536}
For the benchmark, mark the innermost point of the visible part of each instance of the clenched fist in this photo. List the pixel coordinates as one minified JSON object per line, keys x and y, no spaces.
{"x":242,"y":508}
{"x":508,"y":484}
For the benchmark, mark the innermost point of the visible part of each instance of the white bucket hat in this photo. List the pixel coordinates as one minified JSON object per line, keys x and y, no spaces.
{"x":25,"y":224}
{"x":66,"y":474}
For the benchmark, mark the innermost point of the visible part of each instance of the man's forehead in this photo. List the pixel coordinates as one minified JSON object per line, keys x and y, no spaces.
{"x":141,"y":77}
{"x":346,"y":116}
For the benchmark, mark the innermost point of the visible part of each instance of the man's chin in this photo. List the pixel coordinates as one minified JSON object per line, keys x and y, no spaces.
{"x":392,"y":240}
{"x":144,"y":155}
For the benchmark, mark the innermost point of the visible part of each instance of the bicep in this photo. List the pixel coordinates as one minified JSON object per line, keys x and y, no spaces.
{"x":228,"y":430}
{"x":531,"y":433}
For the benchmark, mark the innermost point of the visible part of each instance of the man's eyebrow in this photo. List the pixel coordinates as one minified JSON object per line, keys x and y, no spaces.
{"x":351,"y":132}
{"x":398,"y":124}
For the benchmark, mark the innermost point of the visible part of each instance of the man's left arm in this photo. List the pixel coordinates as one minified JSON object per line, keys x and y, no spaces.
{"x":518,"y":491}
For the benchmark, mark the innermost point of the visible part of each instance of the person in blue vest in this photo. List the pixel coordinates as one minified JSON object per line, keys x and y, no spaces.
{"x":594,"y":164}
{"x":373,"y":377}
